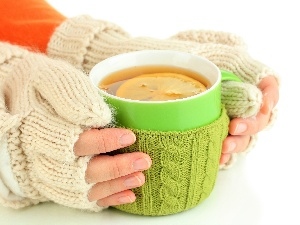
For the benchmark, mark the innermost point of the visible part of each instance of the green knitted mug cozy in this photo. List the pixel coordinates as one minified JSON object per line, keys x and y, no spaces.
{"x":184,"y":167}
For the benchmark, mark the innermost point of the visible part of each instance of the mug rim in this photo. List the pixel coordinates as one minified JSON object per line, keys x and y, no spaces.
{"x":95,"y":77}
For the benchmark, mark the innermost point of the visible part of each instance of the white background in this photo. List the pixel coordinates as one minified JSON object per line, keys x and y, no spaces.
{"x":262,"y":188}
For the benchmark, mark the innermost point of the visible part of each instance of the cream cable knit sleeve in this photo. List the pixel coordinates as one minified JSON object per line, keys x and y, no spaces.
{"x":44,"y":105}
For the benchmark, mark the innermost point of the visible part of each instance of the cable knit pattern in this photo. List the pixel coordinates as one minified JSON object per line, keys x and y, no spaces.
{"x":40,"y":98}
{"x":83,"y":31}
{"x":184,"y":169}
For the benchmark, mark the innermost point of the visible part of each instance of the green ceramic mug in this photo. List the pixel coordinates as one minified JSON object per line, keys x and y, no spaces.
{"x":183,"y":137}
{"x":198,"y":110}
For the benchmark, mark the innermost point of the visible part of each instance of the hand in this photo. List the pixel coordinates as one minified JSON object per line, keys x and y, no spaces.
{"x":241,"y":129}
{"x":113,"y":176}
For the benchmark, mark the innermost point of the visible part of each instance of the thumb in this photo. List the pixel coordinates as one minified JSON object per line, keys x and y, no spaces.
{"x":241,"y":99}
{"x":71,"y":94}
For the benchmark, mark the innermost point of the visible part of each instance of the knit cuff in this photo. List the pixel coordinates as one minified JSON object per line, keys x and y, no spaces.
{"x":228,"y":51}
{"x":210,"y":36}
{"x":71,"y":41}
{"x":62,"y":182}
{"x":18,"y":204}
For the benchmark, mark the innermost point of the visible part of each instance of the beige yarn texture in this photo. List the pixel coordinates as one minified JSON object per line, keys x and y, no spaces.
{"x":42,"y":115}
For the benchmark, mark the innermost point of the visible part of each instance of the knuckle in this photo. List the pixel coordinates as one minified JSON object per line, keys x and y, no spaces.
{"x":243,"y":143}
{"x":92,"y":193}
{"x":121,"y":165}
{"x":102,"y":203}
{"x":107,"y":140}
{"x":101,"y":144}
{"x":116,"y":168}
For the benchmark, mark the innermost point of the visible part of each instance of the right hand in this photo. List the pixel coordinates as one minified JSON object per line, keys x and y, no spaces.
{"x":241,"y":130}
{"x":113,"y":176}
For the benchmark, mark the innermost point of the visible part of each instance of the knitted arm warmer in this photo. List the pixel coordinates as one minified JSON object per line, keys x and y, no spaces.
{"x":42,"y":114}
{"x":84,"y":42}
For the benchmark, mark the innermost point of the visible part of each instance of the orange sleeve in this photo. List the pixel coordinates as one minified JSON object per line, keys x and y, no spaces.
{"x":28,"y":22}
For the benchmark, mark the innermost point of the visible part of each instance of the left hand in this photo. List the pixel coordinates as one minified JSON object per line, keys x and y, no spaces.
{"x":240,"y":130}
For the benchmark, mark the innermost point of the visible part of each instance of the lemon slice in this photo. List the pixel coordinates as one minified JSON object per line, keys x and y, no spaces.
{"x":160,"y":87}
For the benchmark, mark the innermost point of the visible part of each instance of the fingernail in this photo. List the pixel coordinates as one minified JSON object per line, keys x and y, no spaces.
{"x":125,"y":199}
{"x":231,"y":146}
{"x":132,"y":182}
{"x":241,"y":127}
{"x":127,"y":139}
{"x":141,"y":164}
{"x":270,"y":107}
{"x":267,"y":107}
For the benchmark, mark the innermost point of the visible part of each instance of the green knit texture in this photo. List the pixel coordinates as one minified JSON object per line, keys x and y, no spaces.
{"x":184,"y":168}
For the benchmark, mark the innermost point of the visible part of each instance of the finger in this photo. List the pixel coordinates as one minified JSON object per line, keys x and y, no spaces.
{"x":225,"y":158}
{"x":96,"y":141}
{"x":235,"y":144}
{"x":122,"y":197}
{"x":108,"y":188}
{"x":249,"y":126}
{"x":104,"y":167}
{"x":270,"y":90}
{"x":253,"y":125}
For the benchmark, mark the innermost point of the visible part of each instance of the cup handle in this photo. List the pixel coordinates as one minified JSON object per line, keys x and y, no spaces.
{"x":228,"y":76}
